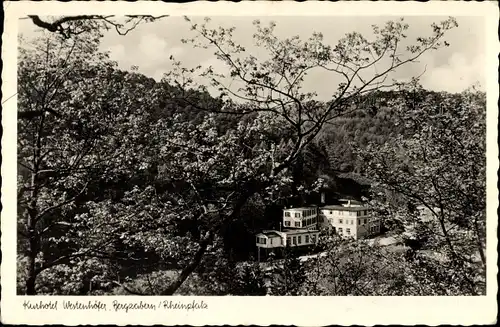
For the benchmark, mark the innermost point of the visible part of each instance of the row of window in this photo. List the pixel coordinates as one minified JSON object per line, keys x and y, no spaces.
{"x":373,"y":229}
{"x":351,"y":213}
{"x":304,"y":223}
{"x":308,"y":239}
{"x":310,"y":221}
{"x":307,"y":213}
{"x":350,"y":221}
{"x":261,"y":240}
{"x":295,"y":239}
{"x":347,"y":231}
{"x":298,"y":239}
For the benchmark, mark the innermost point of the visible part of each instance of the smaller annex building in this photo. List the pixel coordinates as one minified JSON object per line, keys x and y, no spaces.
{"x":299,"y":230}
{"x":292,"y":238}
{"x":271,"y":241}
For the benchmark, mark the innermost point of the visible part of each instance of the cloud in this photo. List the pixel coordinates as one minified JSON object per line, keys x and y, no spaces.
{"x":456,"y":75}
{"x":117,"y":52}
{"x":450,"y":69}
{"x":153,"y":49}
{"x":150,"y":53}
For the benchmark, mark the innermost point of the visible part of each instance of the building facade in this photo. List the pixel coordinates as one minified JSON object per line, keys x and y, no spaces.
{"x":350,"y":220}
{"x":269,"y":239}
{"x":287,"y":238}
{"x":305,"y":217}
{"x":301,"y":237}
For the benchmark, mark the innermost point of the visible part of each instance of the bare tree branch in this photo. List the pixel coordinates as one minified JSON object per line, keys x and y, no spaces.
{"x":73,"y":25}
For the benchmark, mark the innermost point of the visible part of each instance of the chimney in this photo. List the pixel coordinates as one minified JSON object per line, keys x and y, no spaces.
{"x":322,"y":197}
{"x":349,"y":203}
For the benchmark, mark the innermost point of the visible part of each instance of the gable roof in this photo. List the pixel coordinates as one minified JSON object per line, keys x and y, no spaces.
{"x":299,"y":231}
{"x":342,"y":208}
{"x":269,"y":233}
{"x":300,"y":208}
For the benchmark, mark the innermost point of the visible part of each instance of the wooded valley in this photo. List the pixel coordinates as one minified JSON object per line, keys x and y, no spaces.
{"x":131,"y":185}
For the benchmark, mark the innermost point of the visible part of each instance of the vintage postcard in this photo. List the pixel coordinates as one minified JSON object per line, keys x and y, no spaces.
{"x":260,"y":163}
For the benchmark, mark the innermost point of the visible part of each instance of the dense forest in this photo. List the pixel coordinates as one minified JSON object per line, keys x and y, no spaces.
{"x":128,"y":185}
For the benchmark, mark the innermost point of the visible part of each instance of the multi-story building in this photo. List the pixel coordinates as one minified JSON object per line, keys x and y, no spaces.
{"x":352,"y":219}
{"x":305,"y":217}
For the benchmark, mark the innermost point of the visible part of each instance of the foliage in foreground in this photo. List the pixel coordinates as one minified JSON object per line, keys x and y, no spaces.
{"x":438,"y":168}
{"x":136,"y":184}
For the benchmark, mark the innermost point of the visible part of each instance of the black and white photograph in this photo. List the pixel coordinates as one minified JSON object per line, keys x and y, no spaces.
{"x":251,"y":155}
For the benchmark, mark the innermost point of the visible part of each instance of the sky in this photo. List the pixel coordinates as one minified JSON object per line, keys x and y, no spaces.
{"x":149,"y":46}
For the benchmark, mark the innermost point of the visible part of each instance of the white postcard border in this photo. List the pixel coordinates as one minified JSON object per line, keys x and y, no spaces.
{"x":248,"y":310}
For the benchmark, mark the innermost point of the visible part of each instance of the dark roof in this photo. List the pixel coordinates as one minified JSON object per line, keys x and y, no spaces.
{"x":351,"y":201}
{"x":339,"y":207}
{"x":299,"y":231}
{"x":270,"y":233}
{"x":300,"y":208}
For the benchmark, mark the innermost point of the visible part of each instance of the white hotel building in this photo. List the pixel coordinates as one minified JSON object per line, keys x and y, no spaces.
{"x":351,"y":219}
{"x":300,"y":225}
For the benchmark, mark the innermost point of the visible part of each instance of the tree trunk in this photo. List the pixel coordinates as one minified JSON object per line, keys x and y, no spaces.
{"x":31,"y":273}
{"x":188,"y":270}
{"x":32,"y":213}
{"x":30,"y":285}
{"x":191,"y":267}
{"x":32,"y":253}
